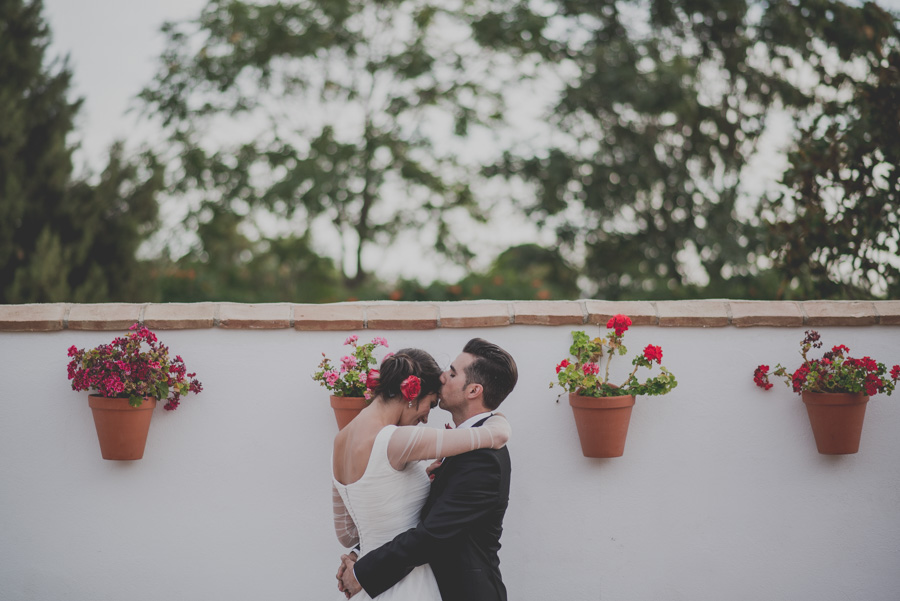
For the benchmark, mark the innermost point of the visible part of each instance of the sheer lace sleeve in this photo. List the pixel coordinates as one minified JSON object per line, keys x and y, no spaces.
{"x":344,"y":526}
{"x":413,"y":443}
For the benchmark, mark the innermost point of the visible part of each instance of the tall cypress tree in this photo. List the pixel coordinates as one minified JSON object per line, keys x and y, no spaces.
{"x":61,"y":239}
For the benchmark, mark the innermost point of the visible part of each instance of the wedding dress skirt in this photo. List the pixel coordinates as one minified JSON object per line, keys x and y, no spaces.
{"x":384,"y":503}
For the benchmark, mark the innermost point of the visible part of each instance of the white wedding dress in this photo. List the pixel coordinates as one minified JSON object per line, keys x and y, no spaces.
{"x":387,"y":501}
{"x":384,"y":503}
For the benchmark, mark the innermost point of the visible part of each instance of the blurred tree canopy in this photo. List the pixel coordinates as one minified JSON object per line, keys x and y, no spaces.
{"x":836,"y":233}
{"x":61,"y":239}
{"x":290,"y":123}
{"x":665,"y":107}
{"x":333,"y":109}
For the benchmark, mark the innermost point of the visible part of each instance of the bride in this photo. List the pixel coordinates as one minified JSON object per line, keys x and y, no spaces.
{"x":379,"y":479}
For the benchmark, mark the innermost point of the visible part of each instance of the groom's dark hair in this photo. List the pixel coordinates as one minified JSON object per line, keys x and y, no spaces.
{"x":493,"y":368}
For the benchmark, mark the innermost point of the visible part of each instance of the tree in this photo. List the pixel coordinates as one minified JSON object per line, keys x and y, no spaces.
{"x":344,"y":117}
{"x":233,"y":268}
{"x":523,"y":272}
{"x":836,"y":226}
{"x":61,"y":239}
{"x":666,"y":103}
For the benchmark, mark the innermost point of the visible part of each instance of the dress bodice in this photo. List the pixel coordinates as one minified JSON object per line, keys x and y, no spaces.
{"x":385,"y":501}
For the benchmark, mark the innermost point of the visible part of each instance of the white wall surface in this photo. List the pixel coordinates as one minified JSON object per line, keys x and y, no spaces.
{"x":720,"y":494}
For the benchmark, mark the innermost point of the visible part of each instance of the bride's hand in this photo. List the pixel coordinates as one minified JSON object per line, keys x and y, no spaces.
{"x":431,"y":468}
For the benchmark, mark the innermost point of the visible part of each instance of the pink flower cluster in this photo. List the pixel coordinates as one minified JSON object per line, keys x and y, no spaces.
{"x":354,"y":377}
{"x":125,"y":369}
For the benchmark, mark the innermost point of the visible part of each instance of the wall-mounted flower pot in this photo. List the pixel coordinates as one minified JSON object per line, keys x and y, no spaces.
{"x":836,"y":420}
{"x":346,"y":408}
{"x":121,"y":428}
{"x":602,"y":423}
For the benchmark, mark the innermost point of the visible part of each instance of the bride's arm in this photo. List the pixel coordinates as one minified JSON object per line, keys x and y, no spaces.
{"x":344,"y":526}
{"x":412,"y":443}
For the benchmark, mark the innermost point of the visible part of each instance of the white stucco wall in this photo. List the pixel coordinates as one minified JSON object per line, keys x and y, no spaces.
{"x":720,"y":495}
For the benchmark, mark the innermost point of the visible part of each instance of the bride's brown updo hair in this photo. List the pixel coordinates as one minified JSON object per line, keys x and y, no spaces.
{"x":402,"y":364}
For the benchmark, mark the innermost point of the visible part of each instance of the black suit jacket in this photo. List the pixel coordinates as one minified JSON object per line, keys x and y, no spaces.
{"x":458,"y":533}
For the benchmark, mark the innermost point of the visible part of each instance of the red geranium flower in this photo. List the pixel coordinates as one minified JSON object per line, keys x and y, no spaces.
{"x":588,"y":373}
{"x":835,"y":371}
{"x":620,"y":323}
{"x":653,"y":353}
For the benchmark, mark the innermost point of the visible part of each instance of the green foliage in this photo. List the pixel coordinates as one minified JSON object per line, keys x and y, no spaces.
{"x":233,"y":268}
{"x":835,"y":233}
{"x":340,"y":103}
{"x":666,"y":104}
{"x":61,"y":239}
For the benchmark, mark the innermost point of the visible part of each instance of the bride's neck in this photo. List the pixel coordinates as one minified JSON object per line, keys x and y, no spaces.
{"x":387,"y":412}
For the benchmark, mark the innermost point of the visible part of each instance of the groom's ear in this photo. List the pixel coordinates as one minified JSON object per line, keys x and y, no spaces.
{"x":474,"y":390}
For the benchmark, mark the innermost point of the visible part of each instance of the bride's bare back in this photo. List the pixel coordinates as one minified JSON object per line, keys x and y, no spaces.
{"x":353,"y":444}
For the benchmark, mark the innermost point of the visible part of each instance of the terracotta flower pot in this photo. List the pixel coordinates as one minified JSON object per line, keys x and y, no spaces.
{"x":836,"y":420}
{"x":602,"y":423}
{"x":121,"y":428}
{"x":346,"y":408}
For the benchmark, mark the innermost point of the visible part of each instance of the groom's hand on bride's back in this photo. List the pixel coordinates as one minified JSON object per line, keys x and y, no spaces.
{"x":347,"y":583}
{"x":348,"y":586}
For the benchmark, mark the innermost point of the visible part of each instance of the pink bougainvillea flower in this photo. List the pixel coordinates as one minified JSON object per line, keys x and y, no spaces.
{"x":348,"y":363}
{"x":379,"y":341}
{"x":351,"y":339}
{"x":591,"y":368}
{"x":331,"y":377}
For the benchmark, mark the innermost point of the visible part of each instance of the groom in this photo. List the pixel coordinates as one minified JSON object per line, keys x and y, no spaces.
{"x":462,"y":519}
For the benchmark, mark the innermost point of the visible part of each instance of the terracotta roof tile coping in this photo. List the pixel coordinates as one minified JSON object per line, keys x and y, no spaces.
{"x":390,"y":315}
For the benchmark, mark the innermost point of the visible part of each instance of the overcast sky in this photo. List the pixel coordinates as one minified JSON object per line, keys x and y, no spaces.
{"x":112,"y":46}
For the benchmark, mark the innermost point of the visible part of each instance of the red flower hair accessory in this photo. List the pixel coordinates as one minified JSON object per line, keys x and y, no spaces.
{"x":411,"y":387}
